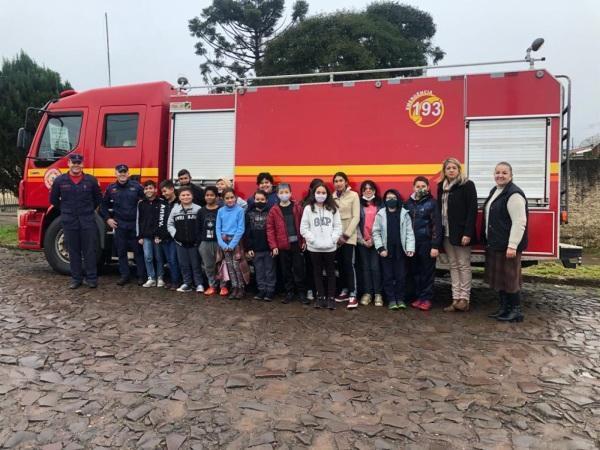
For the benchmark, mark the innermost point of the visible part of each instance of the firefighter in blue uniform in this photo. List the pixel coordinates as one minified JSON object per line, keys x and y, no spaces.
{"x":77,"y":195}
{"x":119,"y":210}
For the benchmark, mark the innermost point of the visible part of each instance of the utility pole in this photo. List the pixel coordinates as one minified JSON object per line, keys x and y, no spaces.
{"x":107,"y":47}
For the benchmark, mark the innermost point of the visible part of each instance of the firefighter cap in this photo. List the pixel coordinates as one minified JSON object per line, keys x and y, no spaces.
{"x":122,"y":168}
{"x":76,"y":158}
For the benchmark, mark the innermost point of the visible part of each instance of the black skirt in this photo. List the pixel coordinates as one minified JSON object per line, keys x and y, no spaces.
{"x":502,"y":273}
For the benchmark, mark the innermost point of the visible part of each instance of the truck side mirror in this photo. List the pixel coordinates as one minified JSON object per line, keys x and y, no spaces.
{"x":23,"y":139}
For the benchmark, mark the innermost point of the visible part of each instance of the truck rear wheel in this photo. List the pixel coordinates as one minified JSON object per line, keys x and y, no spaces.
{"x":56,"y":251}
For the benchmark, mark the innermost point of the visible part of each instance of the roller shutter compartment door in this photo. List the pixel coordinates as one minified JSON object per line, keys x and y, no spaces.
{"x":204,"y":143}
{"x":521,"y":142}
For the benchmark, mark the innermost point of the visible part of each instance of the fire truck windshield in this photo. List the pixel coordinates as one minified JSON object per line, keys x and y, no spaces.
{"x":61,"y":136}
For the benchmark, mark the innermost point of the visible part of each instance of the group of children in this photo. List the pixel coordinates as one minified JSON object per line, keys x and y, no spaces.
{"x":308,"y":245}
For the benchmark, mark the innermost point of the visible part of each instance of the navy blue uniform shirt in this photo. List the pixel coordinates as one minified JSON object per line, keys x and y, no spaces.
{"x":77,"y":201}
{"x":123,"y":200}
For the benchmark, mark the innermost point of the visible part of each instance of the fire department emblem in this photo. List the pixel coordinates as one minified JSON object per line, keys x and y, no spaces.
{"x":425,"y":109}
{"x":50,"y":176}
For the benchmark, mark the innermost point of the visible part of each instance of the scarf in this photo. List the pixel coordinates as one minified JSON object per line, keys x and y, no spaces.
{"x":446,"y":187}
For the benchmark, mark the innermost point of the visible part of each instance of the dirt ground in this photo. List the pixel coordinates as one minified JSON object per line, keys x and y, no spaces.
{"x":148,"y":368}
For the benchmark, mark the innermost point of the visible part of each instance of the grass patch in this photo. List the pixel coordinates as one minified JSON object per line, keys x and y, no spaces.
{"x":556,"y":270}
{"x":8,"y":235}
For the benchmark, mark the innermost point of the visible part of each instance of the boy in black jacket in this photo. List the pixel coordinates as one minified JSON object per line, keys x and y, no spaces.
{"x":207,"y":221}
{"x":257,"y":246}
{"x":146,"y":231}
{"x":427,"y":226}
{"x":165,"y":242}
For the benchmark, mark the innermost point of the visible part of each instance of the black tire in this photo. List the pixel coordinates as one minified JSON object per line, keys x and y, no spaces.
{"x":55,"y":250}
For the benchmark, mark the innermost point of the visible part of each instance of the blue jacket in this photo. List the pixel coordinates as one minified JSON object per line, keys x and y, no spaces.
{"x":426,"y":219}
{"x":123,"y":200}
{"x":230,"y":222}
{"x":77,"y":201}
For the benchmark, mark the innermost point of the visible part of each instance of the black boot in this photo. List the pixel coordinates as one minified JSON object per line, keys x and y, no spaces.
{"x":331,"y":303}
{"x":502,"y":308}
{"x":513,"y":313}
{"x":319,"y":302}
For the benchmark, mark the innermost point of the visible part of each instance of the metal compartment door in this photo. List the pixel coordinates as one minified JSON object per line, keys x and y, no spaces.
{"x":204,"y":143}
{"x":522,"y":142}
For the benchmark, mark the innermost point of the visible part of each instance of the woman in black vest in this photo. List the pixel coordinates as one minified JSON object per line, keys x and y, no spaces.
{"x":457,"y":201}
{"x":504,"y":232}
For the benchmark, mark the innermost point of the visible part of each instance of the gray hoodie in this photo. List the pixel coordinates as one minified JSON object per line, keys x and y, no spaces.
{"x":321,"y":229}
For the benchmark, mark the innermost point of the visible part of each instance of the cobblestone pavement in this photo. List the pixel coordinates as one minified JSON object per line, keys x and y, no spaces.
{"x":146,"y":368}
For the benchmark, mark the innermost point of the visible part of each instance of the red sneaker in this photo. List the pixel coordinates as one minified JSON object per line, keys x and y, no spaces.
{"x":425,"y":305}
{"x":224,"y":292}
{"x":416,"y":303}
{"x":210,"y":291}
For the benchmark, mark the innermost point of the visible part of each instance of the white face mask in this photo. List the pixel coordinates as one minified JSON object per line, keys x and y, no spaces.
{"x":284,"y":197}
{"x":320,"y":198}
{"x":368,"y":198}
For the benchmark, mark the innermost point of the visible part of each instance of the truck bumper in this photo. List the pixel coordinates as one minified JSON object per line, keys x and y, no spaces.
{"x":29,"y":232}
{"x":570,"y":255}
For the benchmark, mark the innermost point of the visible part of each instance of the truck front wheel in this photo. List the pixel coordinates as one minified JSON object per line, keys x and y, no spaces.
{"x":56,"y":251}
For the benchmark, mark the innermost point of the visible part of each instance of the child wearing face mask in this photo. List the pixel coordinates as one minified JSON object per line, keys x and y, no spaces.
{"x":394,"y":239}
{"x":370,"y":203}
{"x":257,"y":246}
{"x":427,"y":225}
{"x":321,"y":227}
{"x":285,"y":241}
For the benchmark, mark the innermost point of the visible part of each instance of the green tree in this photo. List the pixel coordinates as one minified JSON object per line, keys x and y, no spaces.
{"x":384,"y":35}
{"x":23,"y":83}
{"x":233,"y":34}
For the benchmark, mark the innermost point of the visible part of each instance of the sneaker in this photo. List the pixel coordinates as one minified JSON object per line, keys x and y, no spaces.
{"x":331,"y":303}
{"x":304,"y":300}
{"x":74,"y":284}
{"x":425,"y":305}
{"x":141,"y":282}
{"x":416,"y":303}
{"x":122,"y":281}
{"x":160,"y":282}
{"x":393,"y":306}
{"x":378,"y":300}
{"x":184,"y":288}
{"x":224,"y":292}
{"x":401,"y":305}
{"x":310,"y":295}
{"x":260,"y":295}
{"x":365,"y":300}
{"x":150,"y":283}
{"x":200,"y":288}
{"x":352,"y":303}
{"x":268,"y":297}
{"x":210,"y":291}
{"x":342,"y":297}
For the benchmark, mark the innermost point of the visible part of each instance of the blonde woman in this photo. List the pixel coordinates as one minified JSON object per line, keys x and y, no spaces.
{"x":457,"y":200}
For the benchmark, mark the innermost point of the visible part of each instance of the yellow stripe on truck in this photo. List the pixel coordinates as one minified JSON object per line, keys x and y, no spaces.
{"x":103,"y":172}
{"x":358,"y":169}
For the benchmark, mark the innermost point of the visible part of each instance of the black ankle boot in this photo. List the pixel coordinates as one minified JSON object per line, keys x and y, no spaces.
{"x":320,"y":302}
{"x":331,"y":303}
{"x":502,"y":307}
{"x":513,"y":312}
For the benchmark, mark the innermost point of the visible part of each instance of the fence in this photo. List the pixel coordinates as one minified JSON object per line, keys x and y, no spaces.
{"x":8,"y":201}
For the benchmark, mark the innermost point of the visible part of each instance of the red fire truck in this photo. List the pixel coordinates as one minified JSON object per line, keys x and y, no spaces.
{"x":388,"y":130}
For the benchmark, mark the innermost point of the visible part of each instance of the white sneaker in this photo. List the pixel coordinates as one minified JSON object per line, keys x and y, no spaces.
{"x":150,"y":283}
{"x":184,"y":288}
{"x":310,"y":295}
{"x":199,"y":288}
{"x":160,"y":282}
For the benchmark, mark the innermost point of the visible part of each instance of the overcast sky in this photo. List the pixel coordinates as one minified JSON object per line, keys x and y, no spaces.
{"x":149,"y":39}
